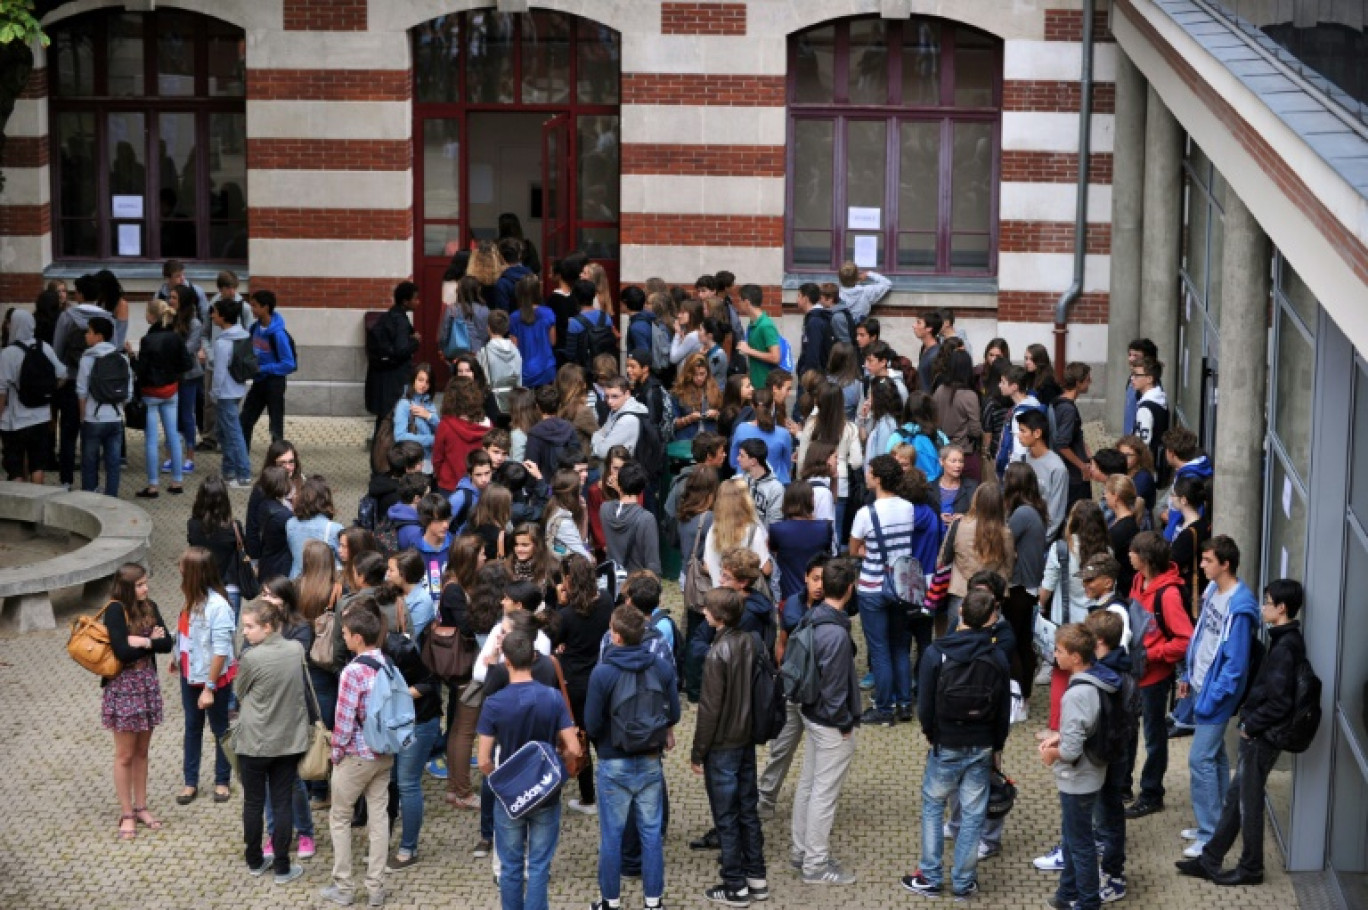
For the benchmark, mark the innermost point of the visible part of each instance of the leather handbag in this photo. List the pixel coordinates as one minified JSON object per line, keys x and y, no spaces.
{"x":448,"y":652}
{"x":324,"y":647}
{"x":249,"y":586}
{"x":316,"y":760}
{"x":697,"y":582}
{"x":573,"y":766}
{"x":938,"y":591}
{"x":89,"y":645}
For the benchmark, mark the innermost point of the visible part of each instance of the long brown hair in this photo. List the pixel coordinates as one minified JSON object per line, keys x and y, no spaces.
{"x":317,"y":581}
{"x":495,"y":508}
{"x":565,"y":487}
{"x":523,"y":413}
{"x":1021,"y":488}
{"x":199,"y":576}
{"x":581,"y":585}
{"x":573,"y":391}
{"x":464,"y":560}
{"x":542,"y":563}
{"x":699,"y":493}
{"x":690,"y":393}
{"x":1089,"y":525}
{"x":314,"y":499}
{"x":829,"y":424}
{"x":987,"y":512}
{"x":763,"y":402}
{"x":138,"y":614}
{"x":358,"y":540}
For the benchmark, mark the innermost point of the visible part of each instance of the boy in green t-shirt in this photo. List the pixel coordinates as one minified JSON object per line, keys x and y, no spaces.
{"x":761,"y":346}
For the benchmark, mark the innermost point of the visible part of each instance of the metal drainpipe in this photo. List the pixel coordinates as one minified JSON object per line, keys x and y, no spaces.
{"x":1061,"y":327}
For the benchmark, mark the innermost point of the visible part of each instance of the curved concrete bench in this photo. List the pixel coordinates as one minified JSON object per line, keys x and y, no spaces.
{"x":118,"y":532}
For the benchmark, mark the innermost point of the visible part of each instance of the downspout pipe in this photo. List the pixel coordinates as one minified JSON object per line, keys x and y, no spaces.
{"x":1061,"y":319}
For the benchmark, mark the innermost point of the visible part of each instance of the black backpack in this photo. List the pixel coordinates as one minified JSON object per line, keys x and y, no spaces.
{"x":37,"y":376}
{"x":1116,"y":721}
{"x":769,"y":707}
{"x":650,"y":450}
{"x":639,"y":712}
{"x":74,"y":347}
{"x":597,"y":338}
{"x":243,"y":364}
{"x":1297,"y":734}
{"x":967,"y":692}
{"x":110,"y":380}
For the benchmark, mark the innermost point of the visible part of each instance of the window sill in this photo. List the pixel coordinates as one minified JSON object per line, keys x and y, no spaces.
{"x":935,"y":284}
{"x":201,"y":273}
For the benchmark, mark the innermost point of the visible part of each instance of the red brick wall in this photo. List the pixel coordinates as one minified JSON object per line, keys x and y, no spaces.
{"x":702,"y":18}
{"x":1054,"y":167}
{"x":330,"y":224}
{"x":695,"y":230}
{"x":325,"y":15}
{"x":703,"y":160}
{"x":25,"y":220}
{"x":696,"y":89}
{"x":330,"y":154}
{"x":19,"y":288}
{"x":37,"y":85}
{"x":1039,"y":306}
{"x":24,"y":151}
{"x":1049,"y":95}
{"x":334,"y":293}
{"x":1067,"y":25}
{"x":1050,"y":237}
{"x":329,"y":85}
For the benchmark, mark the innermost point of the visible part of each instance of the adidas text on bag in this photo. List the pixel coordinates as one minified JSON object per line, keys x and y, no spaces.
{"x":528,"y":779}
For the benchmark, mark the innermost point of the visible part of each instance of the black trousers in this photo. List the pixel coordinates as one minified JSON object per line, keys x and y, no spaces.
{"x":68,"y":409}
{"x":266,"y":394}
{"x":1243,"y":810}
{"x":273,"y":776}
{"x":1020,"y":612}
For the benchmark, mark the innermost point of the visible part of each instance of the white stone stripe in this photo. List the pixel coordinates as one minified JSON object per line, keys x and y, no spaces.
{"x":1051,"y":272}
{"x":331,"y":258}
{"x":27,"y":186}
{"x":29,"y":118}
{"x":698,"y":125}
{"x":731,"y":55}
{"x":1051,"y":202}
{"x":21,"y":255}
{"x":753,"y":265}
{"x":372,"y":50}
{"x":329,"y":119}
{"x":1055,"y":60}
{"x":700,"y":195}
{"x":1037,"y":131}
{"x":330,"y":189}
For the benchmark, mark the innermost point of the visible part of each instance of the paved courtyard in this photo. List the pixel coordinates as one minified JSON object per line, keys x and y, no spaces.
{"x":58,"y":847}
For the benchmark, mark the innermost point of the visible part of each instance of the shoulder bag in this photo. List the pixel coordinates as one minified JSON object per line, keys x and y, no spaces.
{"x":697,"y":582}
{"x":573,"y":766}
{"x":448,"y":652}
{"x":249,"y":586}
{"x":903,"y":579}
{"x":937,"y":593}
{"x":89,"y":645}
{"x":314,"y":763}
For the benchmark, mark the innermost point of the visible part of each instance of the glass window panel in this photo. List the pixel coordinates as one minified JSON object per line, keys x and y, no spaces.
{"x":919,"y":176}
{"x":441,"y":169}
{"x":975,"y":68}
{"x":1294,"y":374}
{"x":73,"y":58}
{"x":76,"y":147}
{"x":177,"y":181}
{"x":598,"y":243}
{"x":969,"y":252}
{"x":1349,"y":822}
{"x":921,"y":62}
{"x":1190,"y":365}
{"x":917,"y":252}
{"x":600,"y":63}
{"x":812,"y":248}
{"x":436,"y":59}
{"x":127,"y":154}
{"x":1358,"y":477}
{"x":868,"y":62}
{"x":227,"y":52}
{"x":227,"y":186}
{"x":1195,"y":242}
{"x":125,"y":55}
{"x":438,"y":238}
{"x":813,"y":156}
{"x":866,"y":163}
{"x":489,"y":58}
{"x":599,"y":166}
{"x":80,"y":238}
{"x":849,"y":254}
{"x":1287,"y":530}
{"x":1297,"y":294}
{"x":1279,"y":789}
{"x":971,"y":181}
{"x":545,"y":58}
{"x":175,"y":53}
{"x":814,"y":66}
{"x":1215,"y":259}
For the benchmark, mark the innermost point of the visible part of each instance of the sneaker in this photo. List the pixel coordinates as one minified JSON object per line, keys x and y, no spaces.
{"x":873,"y":717}
{"x":1142,"y":807}
{"x":1113,"y":888}
{"x":482,"y":849}
{"x":237,"y":483}
{"x":268,"y":850}
{"x":918,"y":884}
{"x":709,"y":841}
{"x":867,"y":682}
{"x":967,"y":894}
{"x":721,"y":894}
{"x":437,"y":768}
{"x":377,"y":898}
{"x":830,"y":874}
{"x":398,"y":862}
{"x":987,"y":850}
{"x":947,"y":832}
{"x":758,"y":888}
{"x":259,"y":871}
{"x":307,"y":848}
{"x":1058,"y":904}
{"x":1052,"y":861}
{"x":582,"y":808}
{"x":1190,"y":833}
{"x":1194,"y":849}
{"x":796,"y":863}
{"x":905,"y":714}
{"x":284,"y":878}
{"x":336,"y":895}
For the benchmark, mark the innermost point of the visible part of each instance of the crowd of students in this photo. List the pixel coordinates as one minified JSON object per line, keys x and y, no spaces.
{"x":508,"y":557}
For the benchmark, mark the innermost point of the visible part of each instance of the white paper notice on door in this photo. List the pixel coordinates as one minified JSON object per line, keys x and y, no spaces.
{"x":127,"y":207}
{"x":862,"y":219}
{"x":866,"y":252}
{"x":130,"y":240}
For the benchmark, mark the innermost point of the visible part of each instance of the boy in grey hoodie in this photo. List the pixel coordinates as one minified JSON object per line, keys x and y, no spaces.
{"x":1077,"y":774}
{"x":629,"y":531}
{"x":228,"y":392}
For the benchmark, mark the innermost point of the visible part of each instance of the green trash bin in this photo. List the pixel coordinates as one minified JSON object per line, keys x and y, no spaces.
{"x":678,"y":456}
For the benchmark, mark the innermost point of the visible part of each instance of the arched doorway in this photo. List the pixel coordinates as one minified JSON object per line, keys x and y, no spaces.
{"x":513,"y":113}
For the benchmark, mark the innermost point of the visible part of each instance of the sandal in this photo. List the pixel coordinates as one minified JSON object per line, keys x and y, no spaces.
{"x":175,"y":491}
{"x":187,"y":796}
{"x":222,"y":794}
{"x":128,"y":833}
{"x":147,"y":493}
{"x":147,"y":819}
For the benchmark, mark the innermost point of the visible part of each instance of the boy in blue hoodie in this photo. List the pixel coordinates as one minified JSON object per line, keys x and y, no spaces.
{"x":434,"y":546}
{"x":1218,"y":664}
{"x":1186,"y":459}
{"x":275,"y":360}
{"x":403,"y":516}
{"x":1014,"y":384}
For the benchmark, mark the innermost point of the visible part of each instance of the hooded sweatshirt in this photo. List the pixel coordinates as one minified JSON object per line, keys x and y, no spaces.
{"x":1163,"y":653}
{"x":1080,"y":712}
{"x":857,"y":302}
{"x":1227,"y":672}
{"x":502,"y":364}
{"x":75,"y":319}
{"x":463,"y":502}
{"x":16,"y":415}
{"x":1200,"y":468}
{"x":631,"y":536}
{"x":1010,"y":448}
{"x":405,"y":520}
{"x":456,"y":438}
{"x":615,"y":663}
{"x":224,"y":386}
{"x":547,"y":439}
{"x":964,"y":646}
{"x":434,"y":562}
{"x":622,"y":429}
{"x":94,"y":411}
{"x":275,"y":354}
{"x":383,"y":488}
{"x":838,"y":701}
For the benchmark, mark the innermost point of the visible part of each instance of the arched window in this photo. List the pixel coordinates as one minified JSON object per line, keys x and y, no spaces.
{"x":149,"y":124}
{"x":894,"y":141}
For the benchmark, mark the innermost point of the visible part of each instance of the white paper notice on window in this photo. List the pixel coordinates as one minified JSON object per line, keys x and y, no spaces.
{"x":862,"y":219}
{"x":866,"y":252}
{"x":130,"y":240}
{"x":1287,"y":498}
{"x":127,"y":207}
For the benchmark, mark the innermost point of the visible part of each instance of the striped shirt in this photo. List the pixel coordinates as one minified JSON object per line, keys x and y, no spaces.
{"x":908,"y":530}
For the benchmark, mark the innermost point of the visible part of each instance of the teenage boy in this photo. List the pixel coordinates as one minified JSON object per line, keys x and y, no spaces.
{"x":275,"y":360}
{"x":964,"y":705}
{"x":761,"y":346}
{"x":479,"y":471}
{"x":497,"y":443}
{"x":1136,"y":351}
{"x":752,"y":460}
{"x":69,"y":341}
{"x":707,"y":449}
{"x":524,"y":712}
{"x":1109,"y":816}
{"x":630,"y":533}
{"x":1068,"y":440}
{"x":877,"y":357}
{"x":403,"y":515}
{"x":1267,"y":709}
{"x":1152,"y":410}
{"x":828,"y":724}
{"x":646,"y":388}
{"x":625,"y":414}
{"x":724,"y":753}
{"x":357,"y":770}
{"x":104,"y":384}
{"x":1033,"y":430}
{"x":1186,"y":459}
{"x":582,"y":343}
{"x":1015,"y":384}
{"x":173,"y":273}
{"x":1218,"y":662}
{"x":927,"y":328}
{"x":551,"y":435}
{"x":818,"y":335}
{"x":26,"y":426}
{"x":639,"y":319}
{"x":433,"y":540}
{"x":500,"y":359}
{"x":228,"y":284}
{"x":859,"y":292}
{"x":228,"y":393}
{"x":632,"y":703}
{"x":1078,"y":776}
{"x":713,"y":336}
{"x":948,"y":329}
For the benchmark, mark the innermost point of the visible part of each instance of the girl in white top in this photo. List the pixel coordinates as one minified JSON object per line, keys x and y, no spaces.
{"x":563,"y":522}
{"x":1086,"y":532}
{"x":735,"y":525}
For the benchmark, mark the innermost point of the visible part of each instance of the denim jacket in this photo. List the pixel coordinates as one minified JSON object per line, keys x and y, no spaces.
{"x":211,"y":635}
{"x":424,"y":429}
{"x":297,"y":533}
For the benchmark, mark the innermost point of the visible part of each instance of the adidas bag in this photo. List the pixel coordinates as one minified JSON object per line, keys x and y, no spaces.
{"x":528,"y":779}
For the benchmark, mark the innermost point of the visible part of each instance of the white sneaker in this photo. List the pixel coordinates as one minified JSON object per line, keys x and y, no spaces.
{"x":1190,"y":833}
{"x":987,"y":850}
{"x":947,"y":832}
{"x":1194,"y":849}
{"x":1052,"y":861}
{"x":577,"y":806}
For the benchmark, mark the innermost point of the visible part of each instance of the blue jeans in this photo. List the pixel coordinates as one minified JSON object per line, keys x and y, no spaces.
{"x":888,"y":636}
{"x":166,"y":412}
{"x":1109,"y":818}
{"x":632,"y":786}
{"x":487,"y":802}
{"x":1153,"y":708}
{"x":965,"y":772}
{"x":1078,"y":882}
{"x":734,"y":797}
{"x":1209,"y":776}
{"x":103,"y":437}
{"x":408,"y":775}
{"x":535,"y":837}
{"x":190,"y":391}
{"x":235,"y":464}
{"x":217,"y":715}
{"x":303,"y":815}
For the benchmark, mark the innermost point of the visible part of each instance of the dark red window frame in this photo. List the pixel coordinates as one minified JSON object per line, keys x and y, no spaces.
{"x":840,"y":112}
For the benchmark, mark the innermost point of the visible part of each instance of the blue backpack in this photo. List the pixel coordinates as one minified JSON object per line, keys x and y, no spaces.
{"x":640,"y":713}
{"x":528,"y":779}
{"x":455,"y":334}
{"x":785,"y":355}
{"x":390,"y":718}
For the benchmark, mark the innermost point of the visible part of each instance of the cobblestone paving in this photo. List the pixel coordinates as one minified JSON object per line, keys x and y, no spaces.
{"x":58,"y":846}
